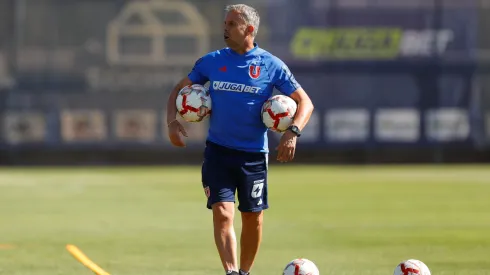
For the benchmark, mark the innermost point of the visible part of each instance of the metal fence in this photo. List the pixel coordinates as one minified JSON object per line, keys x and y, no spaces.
{"x":382,"y":73}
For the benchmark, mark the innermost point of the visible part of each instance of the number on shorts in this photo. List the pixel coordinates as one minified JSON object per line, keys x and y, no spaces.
{"x":257,"y":189}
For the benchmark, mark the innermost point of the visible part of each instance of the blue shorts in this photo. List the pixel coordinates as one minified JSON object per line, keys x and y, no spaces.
{"x":227,"y":171}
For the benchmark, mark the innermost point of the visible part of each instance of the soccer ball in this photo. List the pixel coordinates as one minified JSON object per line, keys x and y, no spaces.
{"x":193,"y":103}
{"x":301,"y":267}
{"x":278,"y":113}
{"x":411,"y":267}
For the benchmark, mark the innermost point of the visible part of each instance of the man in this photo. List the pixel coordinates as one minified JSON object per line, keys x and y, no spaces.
{"x":242,"y":77}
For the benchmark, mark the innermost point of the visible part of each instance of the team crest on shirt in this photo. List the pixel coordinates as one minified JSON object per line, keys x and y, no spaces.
{"x":254,"y":70}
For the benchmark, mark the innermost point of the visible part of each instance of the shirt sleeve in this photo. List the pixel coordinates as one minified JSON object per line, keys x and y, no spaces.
{"x":282,"y":77}
{"x":198,"y":73}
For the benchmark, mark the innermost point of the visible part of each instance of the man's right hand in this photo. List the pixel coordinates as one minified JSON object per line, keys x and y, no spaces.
{"x":174,"y":131}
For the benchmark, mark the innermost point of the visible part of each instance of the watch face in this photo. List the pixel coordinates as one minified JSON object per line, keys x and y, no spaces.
{"x":294,"y":129}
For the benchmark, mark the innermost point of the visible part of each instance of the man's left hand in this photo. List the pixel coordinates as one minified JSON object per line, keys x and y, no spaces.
{"x":286,"y":147}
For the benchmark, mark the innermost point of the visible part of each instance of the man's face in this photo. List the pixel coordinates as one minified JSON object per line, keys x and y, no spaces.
{"x":235,"y":30}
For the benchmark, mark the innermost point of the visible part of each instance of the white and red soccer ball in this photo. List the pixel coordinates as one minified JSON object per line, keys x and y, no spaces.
{"x":301,"y":267}
{"x":194,"y":103}
{"x":278,"y":113}
{"x":411,"y":267}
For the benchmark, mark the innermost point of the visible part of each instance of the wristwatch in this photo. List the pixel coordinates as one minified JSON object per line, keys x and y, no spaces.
{"x":295,"y":130}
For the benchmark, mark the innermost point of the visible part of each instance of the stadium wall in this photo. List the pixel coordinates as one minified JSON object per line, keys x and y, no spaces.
{"x":392,"y":81}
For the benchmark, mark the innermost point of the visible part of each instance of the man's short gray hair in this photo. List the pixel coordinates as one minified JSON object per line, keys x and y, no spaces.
{"x":248,"y":14}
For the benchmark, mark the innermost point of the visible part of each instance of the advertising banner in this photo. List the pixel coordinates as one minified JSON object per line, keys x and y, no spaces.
{"x":326,"y":33}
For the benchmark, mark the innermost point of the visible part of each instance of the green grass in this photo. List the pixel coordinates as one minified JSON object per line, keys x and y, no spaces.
{"x":348,"y":220}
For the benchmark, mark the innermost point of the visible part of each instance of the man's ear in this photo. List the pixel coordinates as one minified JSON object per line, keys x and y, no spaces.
{"x":250,"y":29}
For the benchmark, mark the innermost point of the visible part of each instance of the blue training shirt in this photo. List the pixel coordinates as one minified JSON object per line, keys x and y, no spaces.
{"x":239,"y":85}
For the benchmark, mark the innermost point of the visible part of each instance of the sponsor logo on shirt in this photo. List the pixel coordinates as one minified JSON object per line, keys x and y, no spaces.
{"x":234,"y":87}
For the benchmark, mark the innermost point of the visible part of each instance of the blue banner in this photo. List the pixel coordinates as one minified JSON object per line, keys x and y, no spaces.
{"x":374,"y":34}
{"x":378,"y":76}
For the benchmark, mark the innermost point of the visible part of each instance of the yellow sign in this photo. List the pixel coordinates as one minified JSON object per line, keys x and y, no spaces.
{"x":346,"y":43}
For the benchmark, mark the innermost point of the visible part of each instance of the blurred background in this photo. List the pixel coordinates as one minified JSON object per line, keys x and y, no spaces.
{"x":86,"y":81}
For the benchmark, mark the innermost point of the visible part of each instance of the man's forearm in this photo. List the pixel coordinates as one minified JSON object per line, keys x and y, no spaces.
{"x":303,"y":113}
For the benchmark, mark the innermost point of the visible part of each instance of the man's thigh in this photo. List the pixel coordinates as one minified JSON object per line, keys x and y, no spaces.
{"x":218,"y":181}
{"x":252,"y":184}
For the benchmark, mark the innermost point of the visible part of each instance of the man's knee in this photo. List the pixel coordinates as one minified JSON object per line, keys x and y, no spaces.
{"x":253,"y":218}
{"x":223,"y":212}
